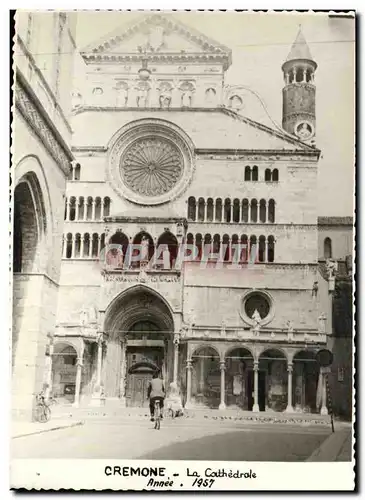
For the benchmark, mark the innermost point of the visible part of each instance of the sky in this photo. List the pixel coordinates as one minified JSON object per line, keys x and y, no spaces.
{"x":260,"y":43}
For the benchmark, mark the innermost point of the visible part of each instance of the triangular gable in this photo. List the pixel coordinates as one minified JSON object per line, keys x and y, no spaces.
{"x":162,"y":33}
{"x":268,"y":138}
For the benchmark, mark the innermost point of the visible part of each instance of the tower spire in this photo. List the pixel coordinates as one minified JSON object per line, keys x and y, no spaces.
{"x":299,"y":116}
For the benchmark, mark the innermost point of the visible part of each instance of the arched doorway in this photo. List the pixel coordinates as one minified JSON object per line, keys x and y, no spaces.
{"x":239,"y":365}
{"x":139,"y":326}
{"x":305,"y":382}
{"x":206,"y":377}
{"x":64,"y":367}
{"x":273,"y":380}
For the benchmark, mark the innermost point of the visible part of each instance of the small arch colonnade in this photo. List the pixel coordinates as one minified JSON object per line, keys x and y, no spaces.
{"x":269,"y":379}
{"x":251,"y":248}
{"x":86,"y":208}
{"x":232,"y":211}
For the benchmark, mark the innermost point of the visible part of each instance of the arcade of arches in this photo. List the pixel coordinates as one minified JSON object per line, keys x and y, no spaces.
{"x":140,"y":338}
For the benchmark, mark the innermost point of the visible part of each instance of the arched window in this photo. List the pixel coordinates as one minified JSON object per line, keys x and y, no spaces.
{"x":85,"y":246}
{"x":77,"y":172}
{"x":226,"y":248}
{"x":255,"y":173}
{"x":198,"y":244}
{"x":262,"y":248}
{"x":270,"y":248}
{"x":244,"y":248}
{"x":247,"y":173}
{"x":253,"y":249}
{"x":95,"y":245}
{"x":102,"y":242}
{"x":275,"y":175}
{"x":236,"y":210}
{"x":78,"y":245}
{"x":227,"y":210}
{"x":218,"y":210}
{"x":216,"y":244}
{"x":253,"y":210}
{"x":201,"y":208}
{"x":267,"y":175}
{"x":97,"y":208}
{"x":168,"y":239}
{"x":245,"y":210}
{"x":119,"y":243}
{"x":234,"y":248}
{"x":106,"y":211}
{"x":72,"y":208}
{"x":191,"y":208}
{"x":327,"y":248}
{"x":271,"y":214}
{"x":89,"y":208}
{"x":207,"y":245}
{"x":81,"y":208}
{"x":69,"y":246}
{"x":210,"y":209}
{"x":262,"y":211}
{"x":300,"y":75}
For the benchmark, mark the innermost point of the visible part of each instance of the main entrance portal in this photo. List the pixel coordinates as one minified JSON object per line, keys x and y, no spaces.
{"x":140,"y":343}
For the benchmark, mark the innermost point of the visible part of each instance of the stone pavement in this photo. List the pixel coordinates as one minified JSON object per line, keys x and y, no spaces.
{"x":336,"y":448}
{"x":21,"y":429}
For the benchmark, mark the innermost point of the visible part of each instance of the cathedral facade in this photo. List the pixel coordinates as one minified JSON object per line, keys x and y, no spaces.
{"x":190,"y":236}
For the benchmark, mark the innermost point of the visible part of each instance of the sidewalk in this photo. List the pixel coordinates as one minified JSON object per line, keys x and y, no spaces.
{"x":336,"y":448}
{"x":21,"y":429}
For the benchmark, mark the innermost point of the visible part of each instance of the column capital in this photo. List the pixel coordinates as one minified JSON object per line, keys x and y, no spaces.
{"x":176,"y":339}
{"x":79,"y":362}
{"x":189,"y":364}
{"x":222,"y":365}
{"x":255,"y":365}
{"x":290,"y":367}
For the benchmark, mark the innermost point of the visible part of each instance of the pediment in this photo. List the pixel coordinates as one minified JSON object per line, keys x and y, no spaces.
{"x":156,"y":34}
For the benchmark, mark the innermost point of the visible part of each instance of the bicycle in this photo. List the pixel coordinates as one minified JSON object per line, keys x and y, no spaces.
{"x":157,"y":415}
{"x":42,"y":409}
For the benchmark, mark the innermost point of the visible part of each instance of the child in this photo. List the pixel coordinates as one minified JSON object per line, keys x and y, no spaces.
{"x":173,"y":401}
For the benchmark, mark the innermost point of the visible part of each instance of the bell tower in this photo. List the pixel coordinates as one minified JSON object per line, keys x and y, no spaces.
{"x":299,"y":93}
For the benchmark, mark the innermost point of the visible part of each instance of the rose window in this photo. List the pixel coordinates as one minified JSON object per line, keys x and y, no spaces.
{"x":151,"y":166}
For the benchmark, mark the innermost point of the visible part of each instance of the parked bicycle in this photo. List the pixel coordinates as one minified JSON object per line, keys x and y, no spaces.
{"x":43,"y":410}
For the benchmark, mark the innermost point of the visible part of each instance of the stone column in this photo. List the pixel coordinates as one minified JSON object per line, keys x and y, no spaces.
{"x":249,"y":212}
{"x":96,"y":399}
{"x":231,"y":211}
{"x":188,"y":384}
{"x":82,"y":243}
{"x":68,"y":209}
{"x":241,"y":211}
{"x":324,"y":410}
{"x":294,"y":75}
{"x":202,"y":367}
{"x":93,"y":210}
{"x":256,"y":407}
{"x":214,"y":211}
{"x":304,"y":75}
{"x":77,"y":206}
{"x":86,"y":204}
{"x":196,"y":210}
{"x":222,"y":405}
{"x":48,"y":372}
{"x":90,"y":245}
{"x":123,"y":379}
{"x":176,"y":356}
{"x":205,"y":210}
{"x":64,"y":248}
{"x":99,"y":244}
{"x":102,"y":208}
{"x":73,"y":249}
{"x":79,"y":365}
{"x":289,"y":408}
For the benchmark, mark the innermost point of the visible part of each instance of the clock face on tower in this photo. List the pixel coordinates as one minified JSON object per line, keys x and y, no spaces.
{"x":304,"y":130}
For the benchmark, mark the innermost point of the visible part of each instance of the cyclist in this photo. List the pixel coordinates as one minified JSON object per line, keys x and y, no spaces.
{"x":155,"y":392}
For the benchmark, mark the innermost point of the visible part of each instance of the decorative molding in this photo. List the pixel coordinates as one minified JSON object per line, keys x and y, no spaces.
{"x":31,"y":111}
{"x":255,"y":155}
{"x":145,"y":278}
